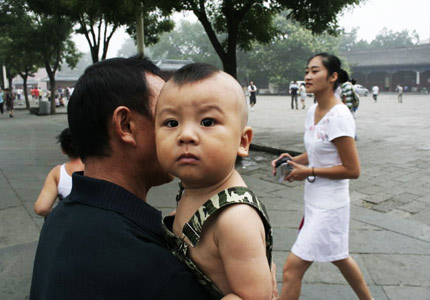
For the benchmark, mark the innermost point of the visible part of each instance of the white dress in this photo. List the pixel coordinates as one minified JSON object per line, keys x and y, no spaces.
{"x":324,"y":235}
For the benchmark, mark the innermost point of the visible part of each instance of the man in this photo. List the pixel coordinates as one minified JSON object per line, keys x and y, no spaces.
{"x":252,"y":89}
{"x":9,"y":99}
{"x":375,"y":92}
{"x":294,"y":88}
{"x":104,"y":241}
{"x":399,"y":93}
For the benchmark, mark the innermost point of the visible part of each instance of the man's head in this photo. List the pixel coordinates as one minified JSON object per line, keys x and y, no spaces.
{"x":111,"y":117}
{"x":200,"y":124}
{"x":103,"y":87}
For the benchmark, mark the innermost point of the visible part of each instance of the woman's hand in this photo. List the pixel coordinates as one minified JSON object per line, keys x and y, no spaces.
{"x":299,"y":172}
{"x":275,"y":160}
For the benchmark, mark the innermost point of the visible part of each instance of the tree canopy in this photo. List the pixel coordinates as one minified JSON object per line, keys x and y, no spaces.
{"x":98,"y":20}
{"x":233,"y":25}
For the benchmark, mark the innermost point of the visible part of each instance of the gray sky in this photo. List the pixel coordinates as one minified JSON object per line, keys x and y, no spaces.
{"x":371,"y":16}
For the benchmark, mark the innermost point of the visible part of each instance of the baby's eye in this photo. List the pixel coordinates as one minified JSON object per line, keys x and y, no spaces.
{"x":207,"y":122}
{"x":171,"y":123}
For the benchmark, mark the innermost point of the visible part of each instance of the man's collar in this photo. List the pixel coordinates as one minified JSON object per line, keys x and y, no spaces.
{"x":106,"y":195}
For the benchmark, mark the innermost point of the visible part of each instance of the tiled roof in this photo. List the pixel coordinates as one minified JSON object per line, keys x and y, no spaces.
{"x":414,"y":55}
{"x":172,"y":64}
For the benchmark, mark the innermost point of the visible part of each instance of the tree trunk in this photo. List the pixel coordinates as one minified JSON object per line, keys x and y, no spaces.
{"x":229,"y":63}
{"x":95,"y":53}
{"x":53,"y":90}
{"x":24,"y":81}
{"x":51,"y":76}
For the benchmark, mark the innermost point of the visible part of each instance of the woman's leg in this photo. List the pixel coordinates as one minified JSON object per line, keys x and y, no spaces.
{"x":350,"y":270}
{"x":293,"y":272}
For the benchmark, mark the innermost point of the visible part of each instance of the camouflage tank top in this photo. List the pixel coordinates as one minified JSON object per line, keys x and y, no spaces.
{"x":193,"y":228}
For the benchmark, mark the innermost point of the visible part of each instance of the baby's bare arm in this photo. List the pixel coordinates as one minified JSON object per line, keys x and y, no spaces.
{"x":239,"y":234}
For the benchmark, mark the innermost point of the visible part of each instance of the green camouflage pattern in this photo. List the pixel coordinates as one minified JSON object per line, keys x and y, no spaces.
{"x":193,"y":228}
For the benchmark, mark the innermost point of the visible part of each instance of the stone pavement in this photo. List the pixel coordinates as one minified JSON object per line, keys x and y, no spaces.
{"x":390,"y":227}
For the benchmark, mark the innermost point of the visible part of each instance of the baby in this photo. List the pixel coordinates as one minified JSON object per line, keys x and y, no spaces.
{"x":221,"y":230}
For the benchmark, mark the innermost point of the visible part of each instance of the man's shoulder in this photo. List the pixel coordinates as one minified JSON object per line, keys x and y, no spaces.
{"x":112,"y":250}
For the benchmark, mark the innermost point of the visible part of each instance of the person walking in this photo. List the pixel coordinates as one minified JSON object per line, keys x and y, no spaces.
{"x":252,"y":89}
{"x":1,"y":101}
{"x":330,"y":160}
{"x":399,"y":93}
{"x":8,"y":97}
{"x":302,"y":92}
{"x":294,"y":89}
{"x":375,"y":92}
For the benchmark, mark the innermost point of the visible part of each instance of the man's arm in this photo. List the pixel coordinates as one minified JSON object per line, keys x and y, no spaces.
{"x":239,"y":235}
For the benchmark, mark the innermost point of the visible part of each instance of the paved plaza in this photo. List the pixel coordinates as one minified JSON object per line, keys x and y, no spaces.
{"x":390,"y":202}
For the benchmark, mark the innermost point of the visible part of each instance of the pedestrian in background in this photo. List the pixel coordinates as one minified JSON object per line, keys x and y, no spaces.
{"x":294,"y":89}
{"x":252,"y":89}
{"x":375,"y":92}
{"x":330,"y":160}
{"x":302,"y":92}
{"x":58,"y":183}
{"x":355,"y":97}
{"x":399,"y":93}
{"x":1,"y":101}
{"x":8,"y":97}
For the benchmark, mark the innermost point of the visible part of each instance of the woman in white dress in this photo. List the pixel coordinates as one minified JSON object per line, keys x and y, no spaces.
{"x":302,"y":91}
{"x":330,"y":160}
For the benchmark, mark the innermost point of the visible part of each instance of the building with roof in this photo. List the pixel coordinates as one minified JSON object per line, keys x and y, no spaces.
{"x":407,"y":66}
{"x":62,"y":80}
{"x":168,"y":66}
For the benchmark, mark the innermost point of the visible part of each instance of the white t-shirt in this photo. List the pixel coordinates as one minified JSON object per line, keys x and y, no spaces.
{"x":322,"y":153}
{"x":375,"y":90}
{"x":302,"y":92}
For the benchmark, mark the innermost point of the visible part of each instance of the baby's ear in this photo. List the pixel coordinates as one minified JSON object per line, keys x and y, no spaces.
{"x":245,"y":141}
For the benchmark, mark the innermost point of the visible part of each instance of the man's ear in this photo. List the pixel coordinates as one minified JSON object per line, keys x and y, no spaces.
{"x":124,"y":125}
{"x":245,"y":141}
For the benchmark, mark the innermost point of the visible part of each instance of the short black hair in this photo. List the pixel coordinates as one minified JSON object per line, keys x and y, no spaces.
{"x":194,"y":72}
{"x":67,"y":143}
{"x":99,"y":91}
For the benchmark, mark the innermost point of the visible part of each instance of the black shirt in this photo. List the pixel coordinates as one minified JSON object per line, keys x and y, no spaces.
{"x":103,"y":242}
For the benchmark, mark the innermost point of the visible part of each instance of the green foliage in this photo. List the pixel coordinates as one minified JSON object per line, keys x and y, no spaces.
{"x":284,"y":59}
{"x":98,"y":20}
{"x":17,"y":30}
{"x":188,"y":41}
{"x":233,"y":25}
{"x":389,"y":39}
{"x":385,"y":39}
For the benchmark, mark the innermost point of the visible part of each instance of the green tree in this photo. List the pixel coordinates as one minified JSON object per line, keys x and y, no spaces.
{"x":187,"y":41}
{"x":389,"y":39}
{"x":233,"y":24}
{"x":18,"y":27}
{"x":98,"y":20}
{"x":51,"y":39}
{"x":284,"y":59}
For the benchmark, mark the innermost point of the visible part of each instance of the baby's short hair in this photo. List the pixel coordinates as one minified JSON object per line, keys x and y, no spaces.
{"x":194,"y":72}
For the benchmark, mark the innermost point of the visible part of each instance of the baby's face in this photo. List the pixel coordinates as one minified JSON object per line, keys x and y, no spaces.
{"x":198,"y":129}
